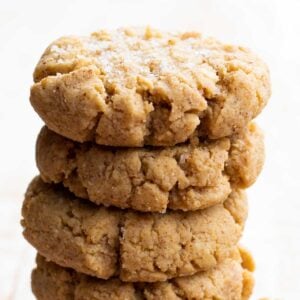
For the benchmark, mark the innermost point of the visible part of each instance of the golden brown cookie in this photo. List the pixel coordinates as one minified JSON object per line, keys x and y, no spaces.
{"x":230,"y":280}
{"x":184,"y":177}
{"x":148,"y":247}
{"x":135,"y":87}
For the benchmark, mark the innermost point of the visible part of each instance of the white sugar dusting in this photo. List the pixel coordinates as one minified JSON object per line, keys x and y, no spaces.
{"x":210,"y":73}
{"x":58,"y":50}
{"x":203,"y":52}
{"x":121,"y":56}
{"x":94,"y":45}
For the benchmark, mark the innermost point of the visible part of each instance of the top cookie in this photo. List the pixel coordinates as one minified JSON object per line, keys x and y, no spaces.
{"x":135,"y":87}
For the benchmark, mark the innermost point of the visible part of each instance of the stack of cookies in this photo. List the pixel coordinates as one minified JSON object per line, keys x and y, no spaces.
{"x":147,"y":149}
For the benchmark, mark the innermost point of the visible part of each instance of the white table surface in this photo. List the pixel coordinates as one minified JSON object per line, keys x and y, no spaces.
{"x":271,"y":28}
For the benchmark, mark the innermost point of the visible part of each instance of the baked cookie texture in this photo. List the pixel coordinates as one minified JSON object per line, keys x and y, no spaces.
{"x":230,"y":280}
{"x":148,"y":247}
{"x":134,"y":87}
{"x":184,"y":177}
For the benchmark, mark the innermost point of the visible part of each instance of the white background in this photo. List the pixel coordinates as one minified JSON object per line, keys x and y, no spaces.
{"x":271,"y":28}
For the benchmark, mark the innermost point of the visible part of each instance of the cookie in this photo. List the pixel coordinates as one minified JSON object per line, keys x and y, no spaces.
{"x":229,"y":280}
{"x":136,"y":87}
{"x":149,"y":247}
{"x":183,"y":177}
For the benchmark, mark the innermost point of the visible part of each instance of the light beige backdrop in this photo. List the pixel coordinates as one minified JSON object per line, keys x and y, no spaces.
{"x":272,"y":28}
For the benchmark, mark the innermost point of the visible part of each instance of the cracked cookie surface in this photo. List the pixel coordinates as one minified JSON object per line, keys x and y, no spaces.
{"x":230,"y":280}
{"x":184,"y":177}
{"x":148,"y":247}
{"x":135,"y":87}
